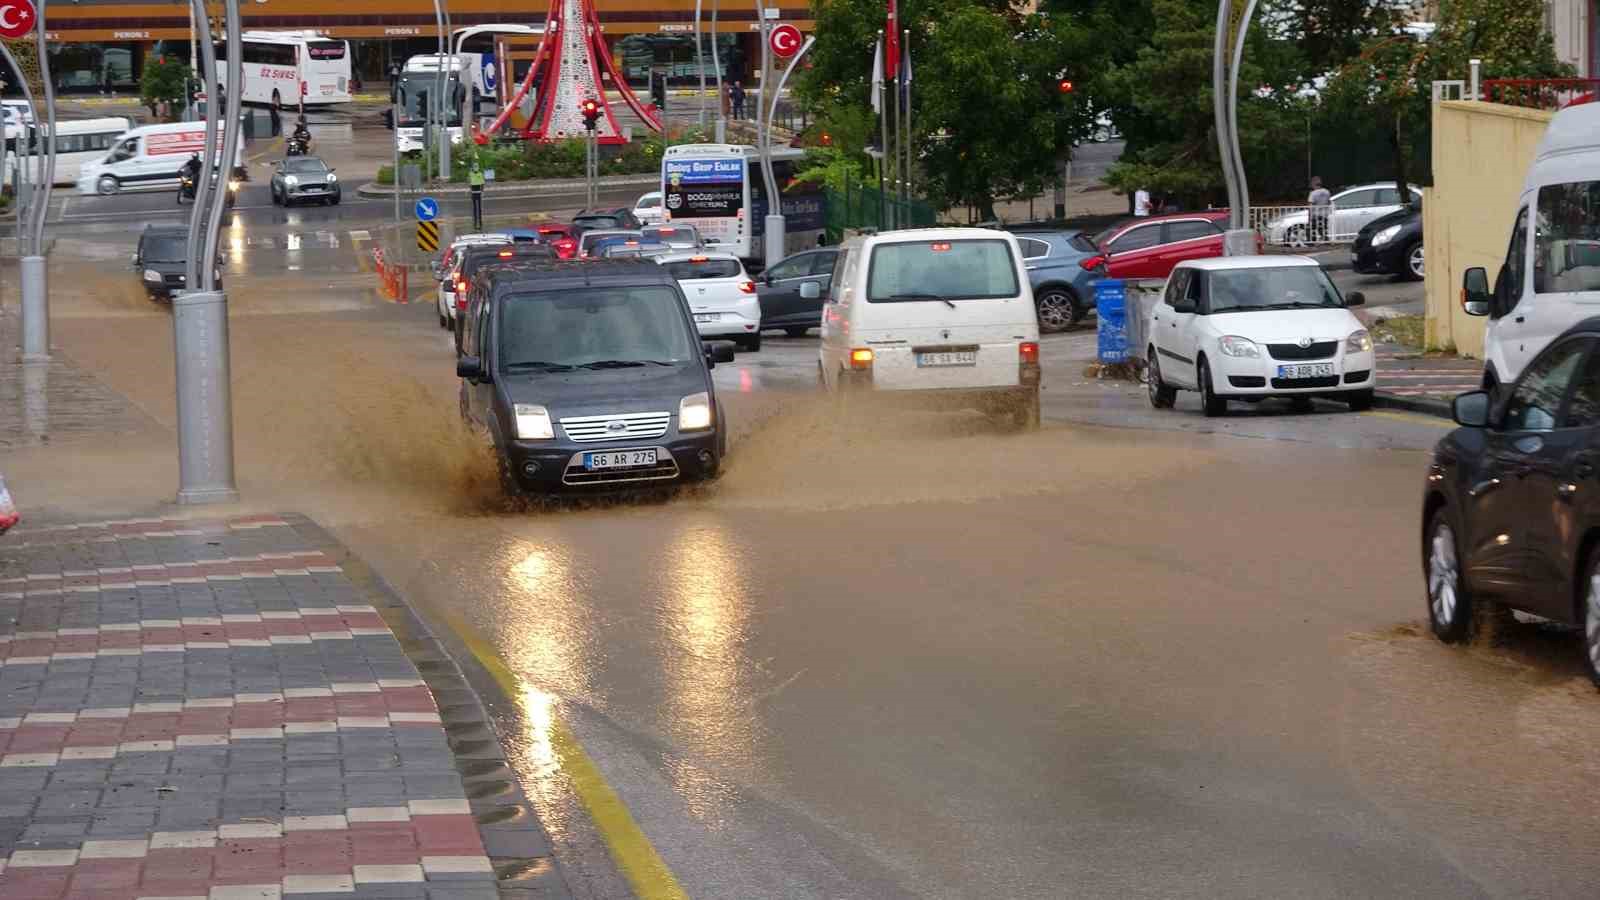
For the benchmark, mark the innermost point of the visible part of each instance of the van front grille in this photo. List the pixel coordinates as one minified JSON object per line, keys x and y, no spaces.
{"x":625,"y":427}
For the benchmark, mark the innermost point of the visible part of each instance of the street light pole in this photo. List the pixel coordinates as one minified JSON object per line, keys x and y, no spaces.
{"x":700,"y":60}
{"x":1240,"y":239}
{"x":716,"y":69}
{"x":200,"y":314}
{"x":33,"y":269}
{"x":776,"y":229}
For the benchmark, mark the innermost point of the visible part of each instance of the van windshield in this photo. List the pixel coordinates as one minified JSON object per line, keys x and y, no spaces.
{"x":913,"y":271}
{"x":165,"y":249}
{"x":594,"y":328}
{"x":1566,"y":256}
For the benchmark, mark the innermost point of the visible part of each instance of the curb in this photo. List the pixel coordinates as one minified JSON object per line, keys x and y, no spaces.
{"x":1426,"y":406}
{"x":540,"y":187}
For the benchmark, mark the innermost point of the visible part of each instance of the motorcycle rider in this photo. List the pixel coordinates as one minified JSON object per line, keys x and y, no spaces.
{"x":189,"y":176}
{"x":302,"y":134}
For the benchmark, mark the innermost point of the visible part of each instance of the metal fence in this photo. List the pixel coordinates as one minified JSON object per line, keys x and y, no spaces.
{"x":861,"y":206}
{"x":1295,"y":226}
{"x":1541,"y":93}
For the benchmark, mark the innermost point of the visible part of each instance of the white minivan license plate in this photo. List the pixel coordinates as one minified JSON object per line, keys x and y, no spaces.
{"x":1306,"y":370}
{"x":619,"y":459}
{"x":948,"y":358}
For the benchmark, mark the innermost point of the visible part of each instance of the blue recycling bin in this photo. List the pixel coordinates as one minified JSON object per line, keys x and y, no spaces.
{"x":1111,"y":310}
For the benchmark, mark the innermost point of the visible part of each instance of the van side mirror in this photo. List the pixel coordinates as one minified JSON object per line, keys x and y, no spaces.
{"x":1471,"y":409}
{"x":1475,"y":297}
{"x":471,"y":368}
{"x":1355,"y":298}
{"x":811,"y":291}
{"x":1183,"y":306}
{"x":718,"y":351}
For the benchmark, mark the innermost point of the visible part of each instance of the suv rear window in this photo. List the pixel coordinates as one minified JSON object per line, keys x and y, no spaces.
{"x":941,"y":270}
{"x":707,"y":268}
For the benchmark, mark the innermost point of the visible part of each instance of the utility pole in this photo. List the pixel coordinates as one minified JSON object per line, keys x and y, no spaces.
{"x":200,"y":314}
{"x":33,"y":268}
{"x":716,"y":68}
{"x":700,"y":60}
{"x":1240,"y":238}
{"x":776,"y":229}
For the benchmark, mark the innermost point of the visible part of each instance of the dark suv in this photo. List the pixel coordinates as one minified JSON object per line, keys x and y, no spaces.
{"x":160,"y":260}
{"x":590,"y":377}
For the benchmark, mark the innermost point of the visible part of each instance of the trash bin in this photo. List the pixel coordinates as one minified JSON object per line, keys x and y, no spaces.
{"x":1111,"y":311}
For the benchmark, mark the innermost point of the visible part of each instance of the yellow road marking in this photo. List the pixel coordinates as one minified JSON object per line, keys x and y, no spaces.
{"x":1415,"y":418}
{"x":633,"y":853}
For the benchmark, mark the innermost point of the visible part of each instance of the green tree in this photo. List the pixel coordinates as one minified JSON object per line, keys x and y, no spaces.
{"x":165,"y":80}
{"x":988,"y":119}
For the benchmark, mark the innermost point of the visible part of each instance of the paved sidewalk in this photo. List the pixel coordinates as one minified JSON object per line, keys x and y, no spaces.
{"x":230,"y":709}
{"x":1410,"y":380}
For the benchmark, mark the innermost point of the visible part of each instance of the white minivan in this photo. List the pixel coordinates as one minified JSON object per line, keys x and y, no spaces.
{"x":1550,"y":279}
{"x":147,"y":158}
{"x":946,"y":310}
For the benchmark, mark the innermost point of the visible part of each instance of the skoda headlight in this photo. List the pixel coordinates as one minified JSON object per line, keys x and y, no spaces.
{"x":291,"y":180}
{"x":1233,"y":345}
{"x":1358,"y":342}
{"x":152,"y":275}
{"x":1385,"y":236}
{"x":694,"y":412}
{"x":533,"y":422}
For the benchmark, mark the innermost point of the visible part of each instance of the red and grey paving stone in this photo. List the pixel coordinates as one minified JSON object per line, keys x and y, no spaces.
{"x":1408,"y":375}
{"x":216,"y":709}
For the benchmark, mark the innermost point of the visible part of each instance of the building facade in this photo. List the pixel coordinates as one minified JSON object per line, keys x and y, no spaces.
{"x":101,"y":44}
{"x":1573,"y":27}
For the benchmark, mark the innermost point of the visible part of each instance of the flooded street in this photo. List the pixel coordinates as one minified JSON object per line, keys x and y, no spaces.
{"x":895,"y":653}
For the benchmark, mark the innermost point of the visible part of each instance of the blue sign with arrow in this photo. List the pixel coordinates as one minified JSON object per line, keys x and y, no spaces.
{"x":427,"y":209}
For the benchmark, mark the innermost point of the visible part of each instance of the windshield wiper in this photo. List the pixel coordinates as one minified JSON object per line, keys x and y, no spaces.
{"x":611,"y":364}
{"x":914,"y":297}
{"x":538,"y":364}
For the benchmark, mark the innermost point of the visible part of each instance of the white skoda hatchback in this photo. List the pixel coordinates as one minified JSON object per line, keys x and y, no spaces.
{"x":1249,"y":327}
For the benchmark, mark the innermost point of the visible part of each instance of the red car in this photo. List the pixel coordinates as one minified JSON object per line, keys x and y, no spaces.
{"x":1152,"y":246}
{"x":560,"y":237}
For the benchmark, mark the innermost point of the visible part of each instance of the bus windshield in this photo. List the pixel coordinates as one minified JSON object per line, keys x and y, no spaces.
{"x":416,"y":94}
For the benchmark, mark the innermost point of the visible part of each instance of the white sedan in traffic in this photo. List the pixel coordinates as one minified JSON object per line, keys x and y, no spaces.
{"x":1352,"y":208}
{"x":648,"y":209}
{"x":1251,"y":327}
{"x":721,"y":296}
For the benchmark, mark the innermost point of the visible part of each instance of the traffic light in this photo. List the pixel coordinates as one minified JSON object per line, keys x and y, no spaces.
{"x":1064,"y":86}
{"x":591,"y":113}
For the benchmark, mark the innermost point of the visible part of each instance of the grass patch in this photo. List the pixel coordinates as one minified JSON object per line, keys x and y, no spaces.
{"x":1404,"y":330}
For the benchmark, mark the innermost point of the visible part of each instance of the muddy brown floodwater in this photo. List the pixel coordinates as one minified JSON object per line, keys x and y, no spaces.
{"x":900,"y":653}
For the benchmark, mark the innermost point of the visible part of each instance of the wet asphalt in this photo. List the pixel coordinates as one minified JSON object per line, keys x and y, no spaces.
{"x":898,"y":653}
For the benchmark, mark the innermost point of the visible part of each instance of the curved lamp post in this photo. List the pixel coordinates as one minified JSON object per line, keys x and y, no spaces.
{"x":1225,"y":96}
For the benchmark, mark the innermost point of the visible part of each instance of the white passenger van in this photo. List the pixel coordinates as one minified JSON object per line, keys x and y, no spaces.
{"x":78,"y":141}
{"x":1550,"y":279}
{"x":939,"y":310}
{"x":147,"y":158}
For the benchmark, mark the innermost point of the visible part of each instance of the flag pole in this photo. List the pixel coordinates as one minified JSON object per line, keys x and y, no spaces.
{"x":883,"y":130}
{"x":905,"y":79}
{"x":894,"y":156}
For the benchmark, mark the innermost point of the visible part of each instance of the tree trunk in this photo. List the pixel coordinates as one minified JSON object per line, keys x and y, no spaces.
{"x":986,"y":209}
{"x":1398,"y":143}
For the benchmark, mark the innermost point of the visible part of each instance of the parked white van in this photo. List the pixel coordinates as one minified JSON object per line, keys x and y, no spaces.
{"x":79,"y":141}
{"x":1550,"y":279}
{"x":147,"y":158}
{"x":946,"y":310}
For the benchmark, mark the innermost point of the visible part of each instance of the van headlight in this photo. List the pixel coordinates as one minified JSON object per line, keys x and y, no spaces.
{"x":152,"y":275}
{"x":1233,"y":345}
{"x":1358,"y":342}
{"x":533,"y":422}
{"x":1385,"y":236}
{"x":694,"y":412}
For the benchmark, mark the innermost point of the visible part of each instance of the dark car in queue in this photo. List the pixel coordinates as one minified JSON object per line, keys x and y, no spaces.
{"x":1391,"y":244}
{"x":304,"y":178}
{"x":1063,"y":287}
{"x":161,"y":259}
{"x":594,"y":219}
{"x":474,"y":259}
{"x":590,"y":377}
{"x":1511,"y":501}
{"x":781,"y":289}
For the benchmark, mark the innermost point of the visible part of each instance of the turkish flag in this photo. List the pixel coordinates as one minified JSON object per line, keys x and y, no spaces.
{"x":891,"y":57}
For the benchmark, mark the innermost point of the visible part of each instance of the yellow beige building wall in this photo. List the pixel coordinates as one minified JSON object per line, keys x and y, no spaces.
{"x":1481,"y":154}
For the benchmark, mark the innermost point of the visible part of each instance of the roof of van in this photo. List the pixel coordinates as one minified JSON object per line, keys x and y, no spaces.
{"x":544,"y":273}
{"x":929,"y":234}
{"x":1573,"y":128}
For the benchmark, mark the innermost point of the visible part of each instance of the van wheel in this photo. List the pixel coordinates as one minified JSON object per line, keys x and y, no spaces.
{"x":107,"y":185}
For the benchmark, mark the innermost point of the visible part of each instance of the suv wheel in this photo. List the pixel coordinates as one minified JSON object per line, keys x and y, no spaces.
{"x":1449,"y":604}
{"x":1415,"y":260}
{"x":1057,"y":310}
{"x":1591,"y":617}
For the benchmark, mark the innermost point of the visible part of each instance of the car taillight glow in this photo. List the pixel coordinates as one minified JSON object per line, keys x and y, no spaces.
{"x":1028,"y":352}
{"x":1091,"y":263}
{"x":566,"y":247}
{"x":504,"y":254}
{"x":698,"y":259}
{"x":747,"y":287}
{"x":861,"y":358}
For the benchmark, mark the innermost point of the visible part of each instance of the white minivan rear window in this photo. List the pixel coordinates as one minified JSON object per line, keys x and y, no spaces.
{"x":912,"y":271}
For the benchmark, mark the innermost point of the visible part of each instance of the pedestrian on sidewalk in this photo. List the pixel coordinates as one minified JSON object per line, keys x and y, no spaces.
{"x":394,"y":80}
{"x":1321,"y":202}
{"x":736,"y":94}
{"x":475,"y":182}
{"x":1141,"y":203}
